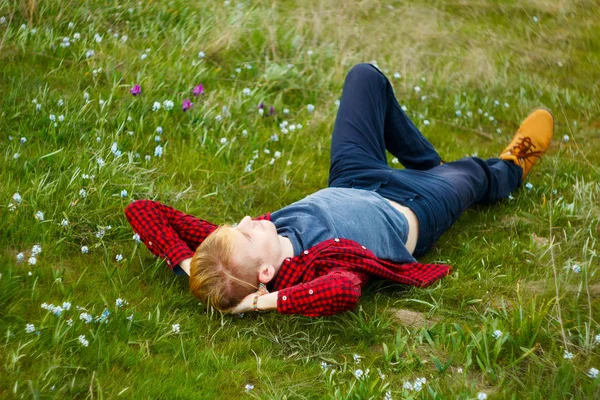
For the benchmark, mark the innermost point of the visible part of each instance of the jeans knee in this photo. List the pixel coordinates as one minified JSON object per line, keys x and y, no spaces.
{"x":364,"y":71}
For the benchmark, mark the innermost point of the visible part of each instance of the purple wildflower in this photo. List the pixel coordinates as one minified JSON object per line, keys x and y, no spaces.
{"x":261,"y":105}
{"x":271,"y":110}
{"x":198,"y":90}
{"x":187,"y":104}
{"x":135,"y":90}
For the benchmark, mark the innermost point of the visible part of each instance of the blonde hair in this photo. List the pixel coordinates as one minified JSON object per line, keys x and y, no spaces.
{"x":214,"y":278}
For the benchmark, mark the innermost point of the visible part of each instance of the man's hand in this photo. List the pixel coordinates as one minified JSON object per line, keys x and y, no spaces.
{"x":245,"y":305}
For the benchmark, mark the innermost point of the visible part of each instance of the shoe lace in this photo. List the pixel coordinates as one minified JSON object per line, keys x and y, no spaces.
{"x":523,"y":149}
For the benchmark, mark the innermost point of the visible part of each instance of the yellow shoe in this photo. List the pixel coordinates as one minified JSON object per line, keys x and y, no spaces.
{"x":531,"y":140}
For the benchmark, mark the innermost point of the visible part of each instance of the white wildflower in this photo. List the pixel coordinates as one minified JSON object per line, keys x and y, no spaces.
{"x":37,"y":249}
{"x":175,"y":328}
{"x":136,"y":237}
{"x":246,"y":91}
{"x":29,"y":328}
{"x":39,"y":216}
{"x":82,"y":193}
{"x":565,"y":138}
{"x":83,"y":341}
{"x":358,"y":373}
{"x":593,"y":373}
{"x":481,"y":396}
{"x":201,"y":54}
{"x":418,"y":384}
{"x":84,"y":249}
{"x":397,"y":75}
{"x":85,"y":317}
{"x":417,"y":89}
{"x":17,"y":198}
{"x":529,"y":186}
{"x":310,"y":108}
{"x":568,"y":355}
{"x":168,"y":104}
{"x":497,"y":333}
{"x":249,"y":387}
{"x":120,"y":302}
{"x":119,"y":257}
{"x":156,"y":106}
{"x":158,"y":151}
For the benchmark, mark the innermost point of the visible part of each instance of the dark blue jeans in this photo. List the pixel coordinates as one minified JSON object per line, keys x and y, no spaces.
{"x":369,"y":122}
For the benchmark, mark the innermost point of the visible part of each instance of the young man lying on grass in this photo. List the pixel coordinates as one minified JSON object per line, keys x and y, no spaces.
{"x":313,"y":256}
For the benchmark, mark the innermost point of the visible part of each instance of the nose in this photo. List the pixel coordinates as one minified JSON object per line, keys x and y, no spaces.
{"x":245,"y":221}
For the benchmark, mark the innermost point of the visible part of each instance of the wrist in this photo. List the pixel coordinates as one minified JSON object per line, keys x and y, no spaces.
{"x":267,"y":302}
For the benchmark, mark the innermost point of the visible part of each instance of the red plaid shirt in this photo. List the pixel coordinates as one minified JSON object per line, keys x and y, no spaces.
{"x":324,"y":280}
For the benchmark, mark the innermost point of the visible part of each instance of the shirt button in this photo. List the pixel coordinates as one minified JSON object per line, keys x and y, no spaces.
{"x":284,"y":298}
{"x":287,"y":259}
{"x":336,"y":239}
{"x":305,"y":251}
{"x":168,"y":262}
{"x":363,"y":247}
{"x":149,"y":243}
{"x":310,"y":291}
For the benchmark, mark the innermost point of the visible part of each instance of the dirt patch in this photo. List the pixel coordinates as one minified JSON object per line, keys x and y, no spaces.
{"x":413,"y":319}
{"x":539,"y":240}
{"x":537,"y":287}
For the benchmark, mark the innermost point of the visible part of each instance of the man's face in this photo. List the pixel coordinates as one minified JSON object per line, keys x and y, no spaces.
{"x":256,"y":239}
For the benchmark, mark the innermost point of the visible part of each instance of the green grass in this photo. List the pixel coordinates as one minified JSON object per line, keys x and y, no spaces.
{"x":513,"y":262}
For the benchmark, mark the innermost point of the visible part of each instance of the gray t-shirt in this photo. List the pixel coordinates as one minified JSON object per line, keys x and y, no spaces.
{"x":356,"y":214}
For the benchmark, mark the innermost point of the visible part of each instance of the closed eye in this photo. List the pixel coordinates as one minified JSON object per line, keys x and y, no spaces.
{"x":247,"y":236}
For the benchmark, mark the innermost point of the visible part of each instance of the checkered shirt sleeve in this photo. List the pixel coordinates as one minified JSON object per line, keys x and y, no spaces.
{"x":167,"y":232}
{"x":332,"y":293}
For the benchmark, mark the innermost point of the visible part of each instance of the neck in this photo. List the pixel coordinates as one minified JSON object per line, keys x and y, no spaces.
{"x":287,"y":250}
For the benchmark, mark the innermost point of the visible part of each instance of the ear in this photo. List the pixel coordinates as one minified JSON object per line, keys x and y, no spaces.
{"x":266,"y":273}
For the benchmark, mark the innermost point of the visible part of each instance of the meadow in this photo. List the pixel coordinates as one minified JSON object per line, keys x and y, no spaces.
{"x":101,"y":105}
